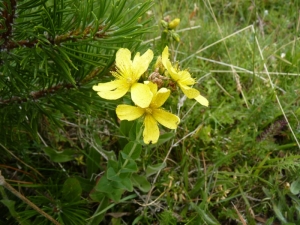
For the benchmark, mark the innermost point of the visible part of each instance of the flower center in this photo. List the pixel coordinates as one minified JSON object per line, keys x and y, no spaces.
{"x":148,"y":110}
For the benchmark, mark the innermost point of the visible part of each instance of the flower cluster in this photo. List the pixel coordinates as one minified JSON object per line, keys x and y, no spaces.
{"x":148,"y":96}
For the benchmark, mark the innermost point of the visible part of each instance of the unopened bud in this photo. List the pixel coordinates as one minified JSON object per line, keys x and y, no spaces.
{"x":176,"y":36}
{"x":164,"y":24}
{"x":174,"y":23}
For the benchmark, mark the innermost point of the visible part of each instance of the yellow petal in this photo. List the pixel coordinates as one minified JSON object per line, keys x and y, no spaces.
{"x":189,"y":92}
{"x":115,"y":94}
{"x":141,"y":95}
{"x":128,"y":112}
{"x":151,"y":131}
{"x":141,"y":63}
{"x":185,"y":78}
{"x":109,"y":85}
{"x":159,"y":99}
{"x":123,"y":61}
{"x":202,"y":100}
{"x":152,"y":86}
{"x":165,"y":56}
{"x":165,"y":118}
{"x":167,"y":64}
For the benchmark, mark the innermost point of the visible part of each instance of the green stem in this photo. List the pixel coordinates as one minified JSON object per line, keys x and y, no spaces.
{"x":133,"y":148}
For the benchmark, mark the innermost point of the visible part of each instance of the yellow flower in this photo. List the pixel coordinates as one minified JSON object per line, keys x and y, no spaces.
{"x":183,"y":79}
{"x":174,"y":23}
{"x":152,"y":114}
{"x":127,"y":74}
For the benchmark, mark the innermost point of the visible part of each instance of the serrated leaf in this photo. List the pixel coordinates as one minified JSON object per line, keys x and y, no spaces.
{"x":140,"y":182}
{"x":152,"y":169}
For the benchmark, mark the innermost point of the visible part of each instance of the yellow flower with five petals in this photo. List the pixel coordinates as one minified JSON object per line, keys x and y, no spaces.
{"x":183,"y":79}
{"x":152,"y":114}
{"x":127,"y":74}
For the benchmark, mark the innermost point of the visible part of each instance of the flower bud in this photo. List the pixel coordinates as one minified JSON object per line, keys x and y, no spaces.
{"x":164,"y":24}
{"x":176,"y":36}
{"x":174,"y":23}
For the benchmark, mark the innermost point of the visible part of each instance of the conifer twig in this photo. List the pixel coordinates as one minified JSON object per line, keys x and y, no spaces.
{"x":37,"y":94}
{"x":27,"y":201}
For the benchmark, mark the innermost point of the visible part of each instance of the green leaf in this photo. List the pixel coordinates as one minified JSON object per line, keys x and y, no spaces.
{"x":92,"y":162}
{"x":270,"y":221}
{"x":71,"y":189}
{"x":113,"y":204}
{"x":109,"y":188}
{"x":126,"y":181}
{"x":110,"y":155}
{"x":103,"y":203}
{"x":204,"y":134}
{"x":295,"y":187}
{"x":11,"y":207}
{"x":133,"y":131}
{"x":279,"y":214}
{"x":113,"y":164}
{"x":152,"y":169}
{"x":60,"y":156}
{"x":86,"y":184}
{"x":125,"y":127}
{"x":131,"y":151}
{"x":114,"y":195}
{"x":130,"y":167}
{"x":140,"y":182}
{"x":163,"y":139}
{"x":206,"y":216}
{"x":112,"y":175}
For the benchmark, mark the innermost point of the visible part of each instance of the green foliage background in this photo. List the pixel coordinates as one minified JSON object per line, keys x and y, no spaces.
{"x":233,"y":162}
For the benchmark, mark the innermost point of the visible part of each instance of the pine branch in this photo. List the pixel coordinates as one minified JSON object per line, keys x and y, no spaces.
{"x":37,"y":94}
{"x":73,"y":36}
{"x":8,"y":14}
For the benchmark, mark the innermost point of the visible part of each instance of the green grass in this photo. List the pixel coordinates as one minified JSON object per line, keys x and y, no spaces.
{"x":235,"y":162}
{"x":236,"y":159}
